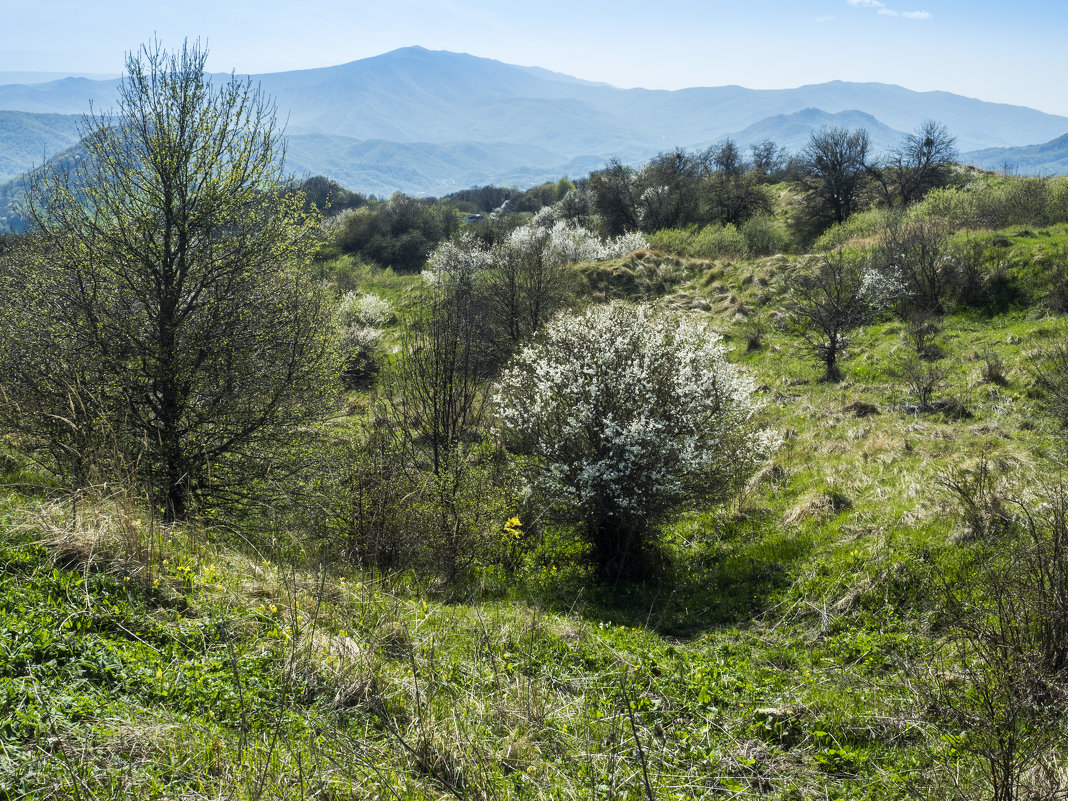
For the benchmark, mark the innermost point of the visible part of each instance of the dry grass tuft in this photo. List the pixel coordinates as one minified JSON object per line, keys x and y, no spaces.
{"x":819,"y":505}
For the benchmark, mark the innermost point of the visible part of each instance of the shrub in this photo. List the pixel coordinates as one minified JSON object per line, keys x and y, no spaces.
{"x":364,"y":310}
{"x":359,"y":355}
{"x":519,"y":281}
{"x":923,"y":379}
{"x":361,"y":318}
{"x":435,"y":401}
{"x":994,"y":370}
{"x":921,"y":332}
{"x":1016,"y":201}
{"x":719,"y":242}
{"x":765,"y":236}
{"x":997,"y":691}
{"x":863,"y":225}
{"x":916,"y":252}
{"x":674,"y":240}
{"x":826,"y":304}
{"x":569,"y":243}
{"x":630,"y":414}
{"x":979,"y":494}
{"x":1050,"y":373}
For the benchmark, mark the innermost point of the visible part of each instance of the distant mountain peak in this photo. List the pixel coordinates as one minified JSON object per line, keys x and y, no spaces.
{"x":526,"y":121}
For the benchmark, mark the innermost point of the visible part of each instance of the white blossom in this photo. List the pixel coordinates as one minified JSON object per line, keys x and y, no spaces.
{"x":364,"y":310}
{"x":880,"y":288}
{"x":560,"y":243}
{"x":631,"y":412}
{"x":457,"y":261}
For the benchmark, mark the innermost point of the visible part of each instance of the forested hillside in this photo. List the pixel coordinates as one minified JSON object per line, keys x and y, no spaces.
{"x":29,"y":139}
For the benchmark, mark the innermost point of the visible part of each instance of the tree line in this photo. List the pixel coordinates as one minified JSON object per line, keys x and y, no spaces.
{"x":834,"y":176}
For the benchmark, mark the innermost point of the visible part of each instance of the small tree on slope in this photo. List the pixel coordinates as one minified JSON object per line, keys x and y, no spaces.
{"x":630,"y":414}
{"x":167,"y":319}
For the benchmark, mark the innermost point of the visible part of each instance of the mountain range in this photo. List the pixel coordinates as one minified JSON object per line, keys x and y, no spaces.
{"x":431,"y":122}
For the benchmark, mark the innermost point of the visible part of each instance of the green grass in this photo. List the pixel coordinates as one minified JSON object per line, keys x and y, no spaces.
{"x":145,"y":662}
{"x":770,"y":655}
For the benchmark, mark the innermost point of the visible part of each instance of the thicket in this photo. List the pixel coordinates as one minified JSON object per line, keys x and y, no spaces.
{"x":400,"y":232}
{"x":997,"y":687}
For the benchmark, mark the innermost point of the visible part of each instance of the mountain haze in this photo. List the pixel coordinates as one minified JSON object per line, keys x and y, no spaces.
{"x":419,"y":95}
{"x":1048,"y":158}
{"x":429,"y":122}
{"x":793,"y":131}
{"x":27,"y":139}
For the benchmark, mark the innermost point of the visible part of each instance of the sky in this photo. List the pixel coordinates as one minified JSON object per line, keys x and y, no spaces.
{"x":1010,"y":52}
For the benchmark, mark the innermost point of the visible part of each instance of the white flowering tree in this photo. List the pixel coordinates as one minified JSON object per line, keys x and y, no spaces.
{"x":523,"y":279}
{"x":360,"y":319}
{"x":630,"y":414}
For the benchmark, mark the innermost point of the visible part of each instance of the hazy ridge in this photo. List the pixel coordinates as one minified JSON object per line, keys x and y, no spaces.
{"x":428,"y":122}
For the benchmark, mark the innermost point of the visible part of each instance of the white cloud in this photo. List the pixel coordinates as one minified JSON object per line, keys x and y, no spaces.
{"x":881,"y":9}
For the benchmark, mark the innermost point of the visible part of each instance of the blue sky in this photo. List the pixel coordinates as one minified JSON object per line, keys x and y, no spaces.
{"x":1000,"y":51}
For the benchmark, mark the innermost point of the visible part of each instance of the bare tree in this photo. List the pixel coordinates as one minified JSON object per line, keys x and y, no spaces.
{"x":435,"y":405}
{"x":833,"y":175}
{"x":526,"y":282}
{"x":768,"y":159}
{"x":436,"y":387}
{"x":726,"y":157}
{"x":921,"y":162}
{"x":826,"y":304}
{"x":916,"y":253}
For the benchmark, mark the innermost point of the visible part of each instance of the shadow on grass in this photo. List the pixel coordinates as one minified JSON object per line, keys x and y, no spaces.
{"x":708,"y":573}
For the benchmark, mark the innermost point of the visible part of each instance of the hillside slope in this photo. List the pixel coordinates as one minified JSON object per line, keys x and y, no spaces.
{"x":1050,"y":158}
{"x":793,"y":131}
{"x":27,"y":139}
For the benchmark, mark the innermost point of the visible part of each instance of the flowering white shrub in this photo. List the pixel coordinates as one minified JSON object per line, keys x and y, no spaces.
{"x":575,"y":206}
{"x":336,"y":224}
{"x":568,"y":243}
{"x":881,"y":288}
{"x":364,"y":310}
{"x":360,"y":339}
{"x":545,"y":217}
{"x":361,"y":318}
{"x":457,"y":261}
{"x":631,"y":413}
{"x":557,"y":244}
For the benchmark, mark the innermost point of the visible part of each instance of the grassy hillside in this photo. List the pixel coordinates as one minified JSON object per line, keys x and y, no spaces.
{"x":779,"y":651}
